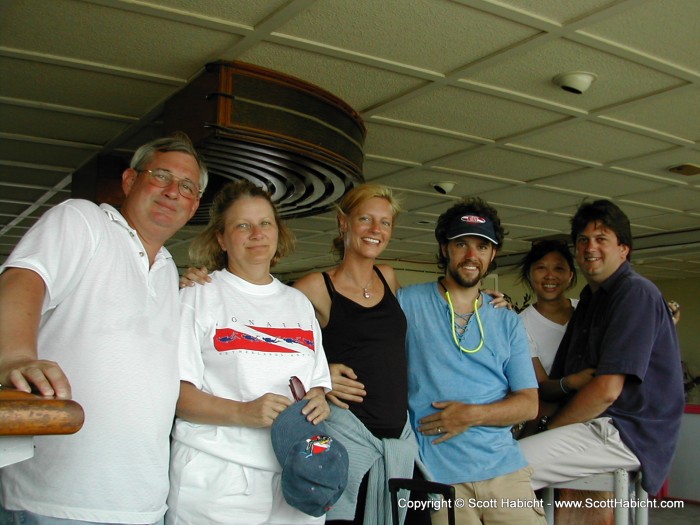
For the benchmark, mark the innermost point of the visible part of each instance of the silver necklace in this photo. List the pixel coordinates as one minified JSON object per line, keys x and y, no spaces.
{"x":365,"y":291}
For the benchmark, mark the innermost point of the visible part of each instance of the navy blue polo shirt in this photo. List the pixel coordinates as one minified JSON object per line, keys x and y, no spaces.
{"x":625,"y":327}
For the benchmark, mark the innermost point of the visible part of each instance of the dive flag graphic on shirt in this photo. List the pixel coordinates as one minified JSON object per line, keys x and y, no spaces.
{"x":264,"y":339}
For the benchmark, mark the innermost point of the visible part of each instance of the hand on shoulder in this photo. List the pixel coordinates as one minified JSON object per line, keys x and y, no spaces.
{"x":194,"y":276}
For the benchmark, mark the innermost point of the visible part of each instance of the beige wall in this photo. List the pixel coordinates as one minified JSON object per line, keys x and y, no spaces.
{"x":686,"y":293}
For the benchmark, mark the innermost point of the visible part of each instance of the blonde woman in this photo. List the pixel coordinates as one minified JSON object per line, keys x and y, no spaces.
{"x":241,"y":339}
{"x":364,"y":332}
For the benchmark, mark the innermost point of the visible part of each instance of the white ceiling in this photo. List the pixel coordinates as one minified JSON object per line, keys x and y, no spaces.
{"x":449,"y":91}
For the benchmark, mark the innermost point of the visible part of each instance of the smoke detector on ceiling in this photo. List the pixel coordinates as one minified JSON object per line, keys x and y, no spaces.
{"x":575,"y":81}
{"x":443,"y":187}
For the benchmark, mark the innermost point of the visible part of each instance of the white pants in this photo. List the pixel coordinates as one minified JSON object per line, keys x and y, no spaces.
{"x":211,"y":490}
{"x":576,"y":451}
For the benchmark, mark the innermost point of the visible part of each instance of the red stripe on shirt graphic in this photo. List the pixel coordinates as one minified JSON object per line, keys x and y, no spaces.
{"x":264,"y":339}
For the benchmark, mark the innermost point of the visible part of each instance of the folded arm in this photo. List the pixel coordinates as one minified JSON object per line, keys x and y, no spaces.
{"x":558,"y":389}
{"x":591,"y":401}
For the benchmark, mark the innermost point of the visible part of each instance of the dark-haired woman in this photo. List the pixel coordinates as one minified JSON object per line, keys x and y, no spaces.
{"x":548,"y":270}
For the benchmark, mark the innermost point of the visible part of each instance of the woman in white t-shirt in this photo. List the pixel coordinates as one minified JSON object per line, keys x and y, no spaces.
{"x":548,"y":270}
{"x":241,"y":339}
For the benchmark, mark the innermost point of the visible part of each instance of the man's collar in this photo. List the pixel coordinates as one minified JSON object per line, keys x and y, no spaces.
{"x":624,"y":269}
{"x":116,"y":217}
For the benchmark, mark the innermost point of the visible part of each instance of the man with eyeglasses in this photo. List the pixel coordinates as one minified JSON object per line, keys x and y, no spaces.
{"x":89,"y":309}
{"x":628,"y":416}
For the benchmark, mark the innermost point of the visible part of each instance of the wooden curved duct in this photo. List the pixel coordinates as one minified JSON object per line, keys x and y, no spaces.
{"x":300,"y":142}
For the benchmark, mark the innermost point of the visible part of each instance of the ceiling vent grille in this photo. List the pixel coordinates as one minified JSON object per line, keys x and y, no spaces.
{"x":304,"y":145}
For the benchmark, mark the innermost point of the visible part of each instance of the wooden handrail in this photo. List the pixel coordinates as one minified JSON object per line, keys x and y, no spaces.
{"x":23,"y":414}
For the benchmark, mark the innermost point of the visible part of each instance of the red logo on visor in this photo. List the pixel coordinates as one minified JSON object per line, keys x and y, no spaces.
{"x":473,"y":219}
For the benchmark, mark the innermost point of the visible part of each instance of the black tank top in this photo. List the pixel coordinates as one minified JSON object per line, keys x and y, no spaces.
{"x":371,"y":341}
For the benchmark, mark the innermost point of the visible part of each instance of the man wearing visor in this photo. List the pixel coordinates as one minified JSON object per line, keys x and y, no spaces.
{"x":470,"y":375}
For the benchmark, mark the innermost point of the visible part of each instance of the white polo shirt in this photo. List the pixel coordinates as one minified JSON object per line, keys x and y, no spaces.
{"x":111,"y":323}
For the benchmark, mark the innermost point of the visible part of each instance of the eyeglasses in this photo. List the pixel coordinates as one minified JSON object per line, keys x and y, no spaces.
{"x":297,"y":388}
{"x":163,"y":179}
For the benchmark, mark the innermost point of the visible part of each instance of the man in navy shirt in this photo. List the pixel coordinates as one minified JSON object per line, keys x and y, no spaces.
{"x":628,"y":416}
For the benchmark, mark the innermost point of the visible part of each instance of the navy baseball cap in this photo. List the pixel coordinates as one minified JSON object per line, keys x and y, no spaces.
{"x":471,"y":224}
{"x":314,"y":464}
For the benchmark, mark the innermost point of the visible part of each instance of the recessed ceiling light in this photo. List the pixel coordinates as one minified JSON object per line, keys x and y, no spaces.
{"x":685,"y":169}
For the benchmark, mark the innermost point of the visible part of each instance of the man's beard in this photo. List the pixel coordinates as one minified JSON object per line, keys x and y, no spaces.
{"x":460,"y":280}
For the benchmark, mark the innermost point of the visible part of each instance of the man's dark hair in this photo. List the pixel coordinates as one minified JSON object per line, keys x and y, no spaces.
{"x":605,"y":212}
{"x":468,"y":206}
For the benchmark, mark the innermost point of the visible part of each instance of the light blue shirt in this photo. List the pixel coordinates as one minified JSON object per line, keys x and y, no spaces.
{"x":439,"y":371}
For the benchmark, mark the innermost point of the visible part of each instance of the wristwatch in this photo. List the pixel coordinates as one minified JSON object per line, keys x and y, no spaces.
{"x":543,"y":424}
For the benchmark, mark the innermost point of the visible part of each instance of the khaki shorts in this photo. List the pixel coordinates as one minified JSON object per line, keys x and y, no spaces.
{"x":575,"y":451}
{"x":507,"y":499}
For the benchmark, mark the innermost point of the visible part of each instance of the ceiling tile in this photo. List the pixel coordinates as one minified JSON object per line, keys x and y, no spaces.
{"x":546,"y":221}
{"x":676,"y":198}
{"x":507,"y":164}
{"x":560,"y":11}
{"x":409,"y":145}
{"x":676,"y":113}
{"x":27,"y":194}
{"x":32,"y":176}
{"x":592,"y":181}
{"x":79,"y":88}
{"x":461,"y":111}
{"x":670,"y":221}
{"x":359,"y":85}
{"x":373,"y":169}
{"x":591,"y":141}
{"x":534,"y":198}
{"x":424,"y":202}
{"x":11,"y":209}
{"x":657,"y":164}
{"x":58,"y":125}
{"x":48,"y":154}
{"x":635,"y":212}
{"x":64,"y":26}
{"x":423,"y":180}
{"x":248,"y":13}
{"x":531,"y":73}
{"x":658,"y":29}
{"x":404,"y":33}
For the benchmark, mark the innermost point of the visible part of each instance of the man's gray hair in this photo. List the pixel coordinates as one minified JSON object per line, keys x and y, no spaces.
{"x":176,"y":142}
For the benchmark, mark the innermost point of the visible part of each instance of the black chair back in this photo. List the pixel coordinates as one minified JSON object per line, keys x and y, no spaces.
{"x":425,"y":487}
